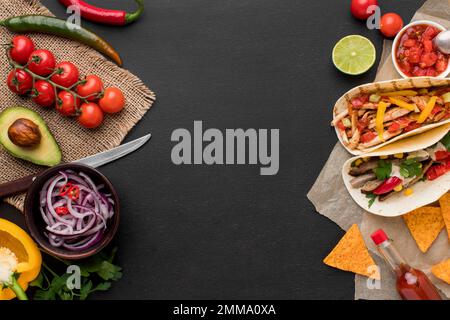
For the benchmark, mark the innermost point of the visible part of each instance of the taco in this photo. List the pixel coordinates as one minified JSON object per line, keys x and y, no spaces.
{"x":392,"y":184}
{"x":373,"y":115}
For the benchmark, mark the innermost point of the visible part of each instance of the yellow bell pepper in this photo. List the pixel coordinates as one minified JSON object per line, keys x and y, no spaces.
{"x":379,"y":121}
{"x":403,"y":104}
{"x":399,"y":155}
{"x":19,"y":253}
{"x":399,"y":93}
{"x":426,"y":112}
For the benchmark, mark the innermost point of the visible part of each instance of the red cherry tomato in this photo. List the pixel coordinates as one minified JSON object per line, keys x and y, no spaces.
{"x":66,"y":104}
{"x":391,"y":24}
{"x":92,"y":87}
{"x":42,"y":62}
{"x":21,"y":49}
{"x":91,"y":115}
{"x":112,"y":101}
{"x":67,"y":74}
{"x":358,"y":8}
{"x":44,"y":93}
{"x":20,"y":81}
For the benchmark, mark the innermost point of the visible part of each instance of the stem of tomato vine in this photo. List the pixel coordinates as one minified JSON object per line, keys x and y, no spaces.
{"x":55,"y":85}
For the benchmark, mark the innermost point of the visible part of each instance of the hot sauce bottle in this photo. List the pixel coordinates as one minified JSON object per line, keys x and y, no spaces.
{"x":412,"y":284}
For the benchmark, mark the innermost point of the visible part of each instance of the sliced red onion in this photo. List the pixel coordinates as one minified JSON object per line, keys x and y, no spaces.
{"x":87,"y":216}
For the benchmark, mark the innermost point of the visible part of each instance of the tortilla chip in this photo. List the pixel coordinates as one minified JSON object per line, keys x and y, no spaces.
{"x":445,"y":208}
{"x":442,"y":271}
{"x":425,"y":224}
{"x":351,"y":254}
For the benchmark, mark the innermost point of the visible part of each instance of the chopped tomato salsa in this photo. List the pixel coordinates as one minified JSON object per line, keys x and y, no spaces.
{"x":416,"y":54}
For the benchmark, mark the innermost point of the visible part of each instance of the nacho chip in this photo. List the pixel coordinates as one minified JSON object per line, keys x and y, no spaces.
{"x":445,"y":208}
{"x":442,"y":271}
{"x":351,"y":254}
{"x":425,"y":224}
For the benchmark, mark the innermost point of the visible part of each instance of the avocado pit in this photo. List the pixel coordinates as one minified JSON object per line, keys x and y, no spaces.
{"x":24,"y":133}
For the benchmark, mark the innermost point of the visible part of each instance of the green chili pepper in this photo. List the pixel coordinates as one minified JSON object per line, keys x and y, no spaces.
{"x":61,"y":28}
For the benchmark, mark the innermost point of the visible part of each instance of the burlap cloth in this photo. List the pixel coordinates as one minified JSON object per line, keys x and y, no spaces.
{"x":331,"y":199}
{"x":75,"y":141}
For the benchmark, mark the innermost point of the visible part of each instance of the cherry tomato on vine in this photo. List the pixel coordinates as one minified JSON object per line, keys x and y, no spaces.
{"x":112,"y":101}
{"x":44,"y":93}
{"x":390,"y":24}
{"x":67,"y":74}
{"x":42,"y":62}
{"x":92,"y":87}
{"x":21,"y":49}
{"x":66,"y":104}
{"x":20,"y":81}
{"x":91,"y":116}
{"x":358,"y":8}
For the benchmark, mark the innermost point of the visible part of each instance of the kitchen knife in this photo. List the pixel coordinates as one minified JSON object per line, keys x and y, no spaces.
{"x":21,"y":185}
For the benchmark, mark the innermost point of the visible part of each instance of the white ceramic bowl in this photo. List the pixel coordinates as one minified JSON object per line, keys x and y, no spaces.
{"x":400,"y":34}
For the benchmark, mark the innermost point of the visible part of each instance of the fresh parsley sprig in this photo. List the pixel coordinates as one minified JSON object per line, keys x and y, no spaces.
{"x":384,"y":169}
{"x":97,"y":274}
{"x":410,"y":168}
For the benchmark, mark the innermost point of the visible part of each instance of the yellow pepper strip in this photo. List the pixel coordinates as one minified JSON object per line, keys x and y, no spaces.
{"x":379,"y":121}
{"x":398,"y":155}
{"x":358,"y":162}
{"x":25,"y":249}
{"x":399,"y":93}
{"x":398,"y":188}
{"x":384,"y":157}
{"x":426,"y":112}
{"x":403,"y":104}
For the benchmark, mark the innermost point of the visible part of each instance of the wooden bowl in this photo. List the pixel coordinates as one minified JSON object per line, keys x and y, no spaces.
{"x":36,"y":224}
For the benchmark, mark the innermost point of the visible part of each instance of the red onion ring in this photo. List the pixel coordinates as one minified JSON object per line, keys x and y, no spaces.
{"x":87,"y":216}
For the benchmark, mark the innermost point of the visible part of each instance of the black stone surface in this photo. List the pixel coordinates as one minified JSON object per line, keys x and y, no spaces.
{"x":225,"y":232}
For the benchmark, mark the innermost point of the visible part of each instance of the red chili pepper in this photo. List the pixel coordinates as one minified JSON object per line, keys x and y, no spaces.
{"x":65,"y":189}
{"x":441,"y":155}
{"x":388,"y":185}
{"x":74,"y":193}
{"x":62,"y":211}
{"x":105,"y":16}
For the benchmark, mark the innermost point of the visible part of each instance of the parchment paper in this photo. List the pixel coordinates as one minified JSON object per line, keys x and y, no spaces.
{"x":331,"y":199}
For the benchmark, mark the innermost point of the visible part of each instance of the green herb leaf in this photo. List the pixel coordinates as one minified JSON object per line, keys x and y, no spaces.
{"x":44,"y":295}
{"x":384,"y":169}
{"x":38,"y":282}
{"x":372,"y":197}
{"x":446,"y":141}
{"x":85,"y":290}
{"x":410,"y":168}
{"x":102,"y":287}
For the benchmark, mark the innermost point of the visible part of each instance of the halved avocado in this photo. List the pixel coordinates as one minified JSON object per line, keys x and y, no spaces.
{"x":45,"y":153}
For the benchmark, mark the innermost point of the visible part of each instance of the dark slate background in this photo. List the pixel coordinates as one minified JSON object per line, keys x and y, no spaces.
{"x":225,"y":232}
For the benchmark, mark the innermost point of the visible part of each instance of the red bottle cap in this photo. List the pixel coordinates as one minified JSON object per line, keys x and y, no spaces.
{"x":379,"y":236}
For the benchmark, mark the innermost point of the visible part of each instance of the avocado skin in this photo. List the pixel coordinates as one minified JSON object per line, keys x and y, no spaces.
{"x":48,"y":153}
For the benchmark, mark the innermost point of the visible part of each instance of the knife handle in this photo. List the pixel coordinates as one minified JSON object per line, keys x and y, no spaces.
{"x":16,"y":187}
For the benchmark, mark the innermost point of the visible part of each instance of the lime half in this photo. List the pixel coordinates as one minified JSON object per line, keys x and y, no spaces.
{"x":354,"y":54}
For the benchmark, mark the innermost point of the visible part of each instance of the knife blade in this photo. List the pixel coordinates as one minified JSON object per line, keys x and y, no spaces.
{"x":108,"y":156}
{"x":21,"y":185}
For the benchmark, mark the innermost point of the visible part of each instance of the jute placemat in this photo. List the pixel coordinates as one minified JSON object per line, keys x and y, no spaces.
{"x":75,"y":141}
